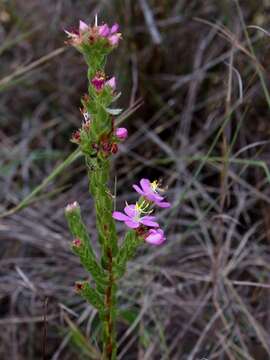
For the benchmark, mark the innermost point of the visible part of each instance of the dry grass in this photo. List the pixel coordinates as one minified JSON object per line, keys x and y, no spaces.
{"x":203,"y":128}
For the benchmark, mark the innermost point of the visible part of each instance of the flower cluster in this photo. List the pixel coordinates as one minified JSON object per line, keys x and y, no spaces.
{"x":138,"y":216}
{"x":92,"y":34}
{"x":96,"y":137}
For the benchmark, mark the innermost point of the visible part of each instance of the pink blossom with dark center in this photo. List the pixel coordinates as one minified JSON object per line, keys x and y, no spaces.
{"x":121,"y":133}
{"x":155,"y":237}
{"x":132,"y":217}
{"x":150,"y":191}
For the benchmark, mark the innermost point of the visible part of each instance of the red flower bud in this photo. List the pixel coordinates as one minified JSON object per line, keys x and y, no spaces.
{"x":76,"y":137}
{"x":79,"y":285}
{"x":114,"y":148}
{"x":106,"y":147}
{"x":77,"y":243}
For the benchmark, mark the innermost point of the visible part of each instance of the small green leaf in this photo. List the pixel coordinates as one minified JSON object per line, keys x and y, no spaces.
{"x":90,"y":294}
{"x":83,"y":250}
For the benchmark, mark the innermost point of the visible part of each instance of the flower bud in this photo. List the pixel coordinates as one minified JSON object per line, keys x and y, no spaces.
{"x":71,"y":207}
{"x":107,"y":147}
{"x":76,"y":137}
{"x":98,"y":82}
{"x":114,"y":148}
{"x":121,"y":133}
{"x":79,"y":285}
{"x":77,"y":243}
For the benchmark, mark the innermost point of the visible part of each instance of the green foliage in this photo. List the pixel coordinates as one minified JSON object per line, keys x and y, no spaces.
{"x":91,"y":295}
{"x":98,"y":177}
{"x":84,"y":250}
{"x":126,"y":252}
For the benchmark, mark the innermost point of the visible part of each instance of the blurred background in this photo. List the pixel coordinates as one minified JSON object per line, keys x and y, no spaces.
{"x":194,"y":76}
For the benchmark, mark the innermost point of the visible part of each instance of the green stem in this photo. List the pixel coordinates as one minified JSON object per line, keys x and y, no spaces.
{"x":98,"y":172}
{"x":109,"y":345}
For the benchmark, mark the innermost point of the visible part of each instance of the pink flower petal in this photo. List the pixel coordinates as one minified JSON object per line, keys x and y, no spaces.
{"x":154,"y":197}
{"x":138,"y":189}
{"x":104,"y":30}
{"x":117,"y":215}
{"x":83,"y":27}
{"x":114,"y":39}
{"x":111,"y":83}
{"x":149,"y":223}
{"x":163,"y":204}
{"x":114,"y":29}
{"x":132,"y":224}
{"x":147,"y":217}
{"x":146,"y":185}
{"x":130,"y":210}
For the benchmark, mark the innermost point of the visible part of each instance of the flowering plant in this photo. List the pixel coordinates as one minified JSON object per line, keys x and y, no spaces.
{"x":98,"y":140}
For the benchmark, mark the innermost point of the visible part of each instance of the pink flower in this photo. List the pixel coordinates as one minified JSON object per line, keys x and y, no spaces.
{"x":150,"y":192}
{"x":155,"y":237}
{"x":132,"y":217}
{"x":112,"y":34}
{"x":122,"y":133}
{"x":104,"y":30}
{"x":98,"y":82}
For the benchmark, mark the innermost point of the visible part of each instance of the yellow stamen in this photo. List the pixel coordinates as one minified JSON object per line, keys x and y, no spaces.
{"x":155,"y":185}
{"x":142,"y":208}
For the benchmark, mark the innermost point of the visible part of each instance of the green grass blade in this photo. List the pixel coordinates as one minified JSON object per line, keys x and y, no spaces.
{"x":58,"y":170}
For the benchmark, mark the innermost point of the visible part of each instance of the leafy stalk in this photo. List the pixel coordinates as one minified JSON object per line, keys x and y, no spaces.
{"x":98,"y":140}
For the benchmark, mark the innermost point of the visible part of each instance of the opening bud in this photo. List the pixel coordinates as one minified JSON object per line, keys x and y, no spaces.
{"x":121,"y":133}
{"x":76,"y":137}
{"x":71,"y":207}
{"x":77,"y":243}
